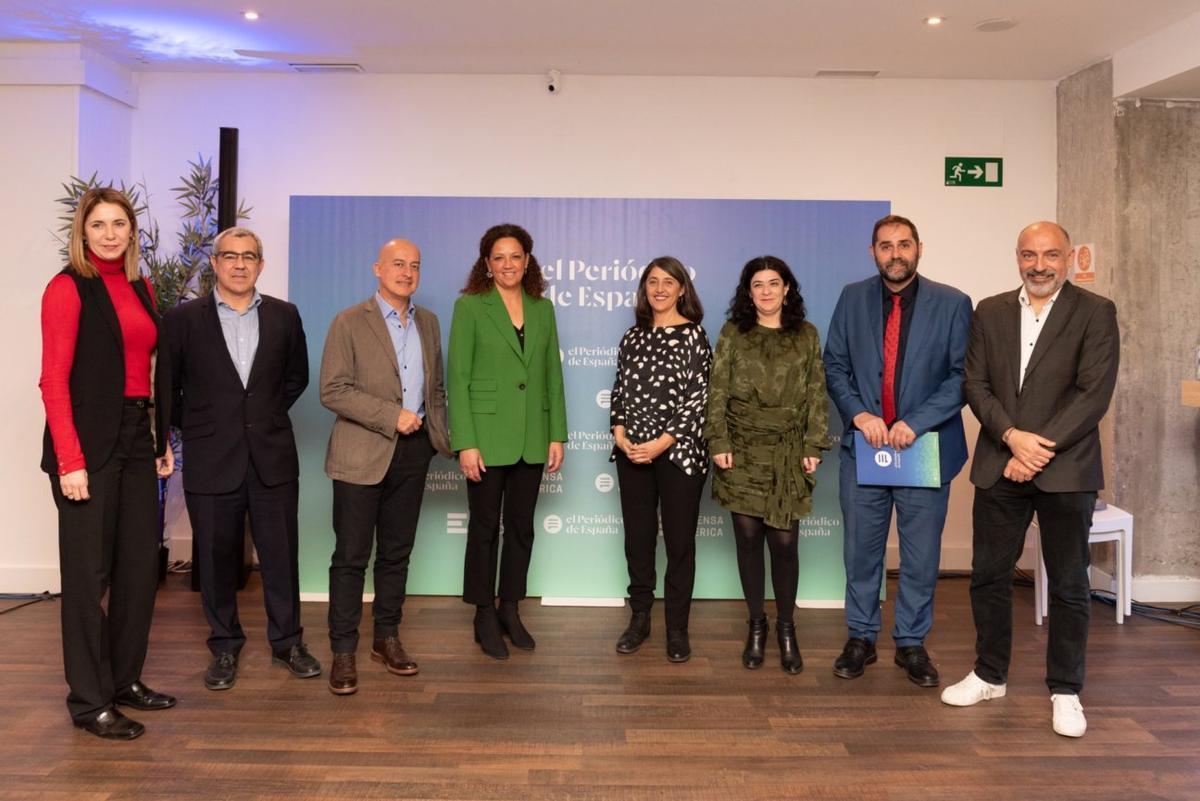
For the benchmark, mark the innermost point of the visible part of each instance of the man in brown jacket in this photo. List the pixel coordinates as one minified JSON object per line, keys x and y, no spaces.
{"x":381,"y":373}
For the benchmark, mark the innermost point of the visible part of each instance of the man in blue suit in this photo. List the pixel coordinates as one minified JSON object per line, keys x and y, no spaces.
{"x":894,"y":366}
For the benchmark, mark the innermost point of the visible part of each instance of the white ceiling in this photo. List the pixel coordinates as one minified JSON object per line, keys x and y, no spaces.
{"x":605,"y":37}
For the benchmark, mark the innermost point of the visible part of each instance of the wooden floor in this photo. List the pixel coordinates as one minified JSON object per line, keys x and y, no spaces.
{"x":574,"y":720}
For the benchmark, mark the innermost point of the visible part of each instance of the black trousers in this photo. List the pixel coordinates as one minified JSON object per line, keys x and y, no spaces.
{"x":108,"y":546}
{"x":1001,"y":516}
{"x":513,"y":490}
{"x":644,"y":489}
{"x":383,"y":516}
{"x":219,"y":527}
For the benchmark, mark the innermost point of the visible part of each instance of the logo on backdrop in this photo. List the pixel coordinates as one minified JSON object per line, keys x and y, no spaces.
{"x":611,"y":286}
{"x":456,"y":522}
{"x":582,"y":356}
{"x":552,"y":524}
{"x":591,"y":441}
{"x":604,"y":482}
{"x":604,"y":398}
{"x":443,"y":481}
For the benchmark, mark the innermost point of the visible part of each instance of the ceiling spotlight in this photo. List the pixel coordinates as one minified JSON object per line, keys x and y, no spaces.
{"x":250,"y":16}
{"x":933,"y":22}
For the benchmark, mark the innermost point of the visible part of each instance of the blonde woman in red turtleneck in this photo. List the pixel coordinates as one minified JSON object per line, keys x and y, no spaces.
{"x":99,"y":333}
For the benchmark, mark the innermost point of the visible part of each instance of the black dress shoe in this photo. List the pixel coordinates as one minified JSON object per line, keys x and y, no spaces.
{"x":139,"y":696}
{"x":635,"y":633}
{"x":789,"y":652}
{"x":222,"y":671}
{"x":678,"y":647}
{"x":510,"y":624}
{"x":112,"y":725}
{"x":915,"y":661}
{"x":487,"y":632}
{"x":756,"y":644}
{"x":298,"y":660}
{"x":858,"y":653}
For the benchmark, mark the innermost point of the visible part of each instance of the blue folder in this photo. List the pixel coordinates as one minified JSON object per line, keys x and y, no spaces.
{"x":915,"y":466}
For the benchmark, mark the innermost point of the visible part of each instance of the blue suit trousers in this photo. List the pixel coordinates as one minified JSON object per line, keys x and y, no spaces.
{"x":867,"y":516}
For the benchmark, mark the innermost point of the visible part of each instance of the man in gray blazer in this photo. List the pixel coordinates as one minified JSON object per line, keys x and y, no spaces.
{"x":1041,"y":367}
{"x":381,"y":373}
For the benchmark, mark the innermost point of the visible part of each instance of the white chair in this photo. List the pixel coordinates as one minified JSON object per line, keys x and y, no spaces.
{"x":1108,"y":525}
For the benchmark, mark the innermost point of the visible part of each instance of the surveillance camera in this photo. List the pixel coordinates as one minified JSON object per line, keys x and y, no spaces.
{"x":554,"y":82}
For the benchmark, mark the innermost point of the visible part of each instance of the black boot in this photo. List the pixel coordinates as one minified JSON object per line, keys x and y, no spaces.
{"x":635,"y":633}
{"x":756,"y":643}
{"x":679,"y":649}
{"x":510,"y":624}
{"x":487,"y":632}
{"x":789,"y":653}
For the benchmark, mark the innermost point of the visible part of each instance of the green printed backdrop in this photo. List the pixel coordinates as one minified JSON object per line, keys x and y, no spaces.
{"x":592,"y":252}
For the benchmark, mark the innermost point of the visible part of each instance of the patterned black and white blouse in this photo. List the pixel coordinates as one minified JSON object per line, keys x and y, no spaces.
{"x":662,"y":385}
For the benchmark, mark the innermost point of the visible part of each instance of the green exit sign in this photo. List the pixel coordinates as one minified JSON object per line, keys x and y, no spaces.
{"x":974,"y":171}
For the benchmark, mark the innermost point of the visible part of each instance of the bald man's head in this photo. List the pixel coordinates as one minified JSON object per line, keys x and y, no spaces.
{"x":1043,"y":225}
{"x":1044,"y":255}
{"x":398,"y":269}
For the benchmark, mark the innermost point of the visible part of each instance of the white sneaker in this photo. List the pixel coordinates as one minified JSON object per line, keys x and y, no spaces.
{"x":972,"y":690}
{"x":1068,"y":715}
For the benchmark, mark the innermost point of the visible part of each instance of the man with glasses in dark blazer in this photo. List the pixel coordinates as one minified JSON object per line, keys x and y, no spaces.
{"x":238,"y":362}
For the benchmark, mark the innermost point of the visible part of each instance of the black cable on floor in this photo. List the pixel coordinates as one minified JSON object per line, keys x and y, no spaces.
{"x":28,"y":598}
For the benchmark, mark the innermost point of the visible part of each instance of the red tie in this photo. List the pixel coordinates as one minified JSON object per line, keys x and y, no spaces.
{"x":891,"y":346}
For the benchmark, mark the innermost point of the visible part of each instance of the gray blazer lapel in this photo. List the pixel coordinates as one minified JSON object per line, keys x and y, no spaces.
{"x":1010,"y":338}
{"x":375,"y":322}
{"x":429,"y":348}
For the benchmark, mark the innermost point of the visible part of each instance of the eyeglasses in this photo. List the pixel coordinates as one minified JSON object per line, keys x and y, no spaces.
{"x":230,"y":258}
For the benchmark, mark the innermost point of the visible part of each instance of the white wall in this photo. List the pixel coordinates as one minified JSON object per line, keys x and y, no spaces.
{"x":627,"y":137}
{"x":506,"y":136}
{"x":104,"y":146}
{"x":37,"y":154}
{"x":66,"y":112}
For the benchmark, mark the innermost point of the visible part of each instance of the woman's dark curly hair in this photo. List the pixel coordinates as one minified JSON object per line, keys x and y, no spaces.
{"x":742,"y":312}
{"x":478,"y":282}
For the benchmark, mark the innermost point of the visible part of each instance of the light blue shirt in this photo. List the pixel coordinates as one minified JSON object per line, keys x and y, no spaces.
{"x":406,"y":340}
{"x":241,"y":332}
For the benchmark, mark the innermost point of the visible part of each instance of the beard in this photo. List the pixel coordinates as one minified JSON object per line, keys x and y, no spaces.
{"x":897,"y":270}
{"x":1035,"y":290}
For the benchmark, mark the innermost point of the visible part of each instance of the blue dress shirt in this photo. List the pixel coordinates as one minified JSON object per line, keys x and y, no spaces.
{"x":241,"y":332}
{"x":406,"y":340}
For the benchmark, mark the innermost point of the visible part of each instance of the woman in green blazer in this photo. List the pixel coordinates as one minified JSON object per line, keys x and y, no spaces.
{"x":508,"y":422}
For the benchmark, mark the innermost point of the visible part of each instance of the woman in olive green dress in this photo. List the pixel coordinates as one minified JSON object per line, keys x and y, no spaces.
{"x":767,"y":424}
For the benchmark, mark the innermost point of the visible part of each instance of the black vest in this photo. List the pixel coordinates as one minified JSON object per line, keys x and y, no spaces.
{"x":97,"y":373}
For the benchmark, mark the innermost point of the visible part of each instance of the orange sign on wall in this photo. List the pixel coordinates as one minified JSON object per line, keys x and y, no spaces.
{"x":1085,"y":263}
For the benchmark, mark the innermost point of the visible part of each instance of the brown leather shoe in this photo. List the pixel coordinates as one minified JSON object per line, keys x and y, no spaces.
{"x":343,"y":676}
{"x":391,"y":653}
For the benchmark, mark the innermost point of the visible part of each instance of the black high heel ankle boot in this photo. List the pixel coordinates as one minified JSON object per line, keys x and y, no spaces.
{"x":789,"y":652}
{"x":756,"y":644}
{"x":487,"y":632}
{"x":510,"y":624}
